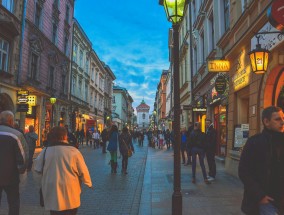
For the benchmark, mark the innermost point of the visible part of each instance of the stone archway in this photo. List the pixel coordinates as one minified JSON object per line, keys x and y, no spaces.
{"x":6,"y":103}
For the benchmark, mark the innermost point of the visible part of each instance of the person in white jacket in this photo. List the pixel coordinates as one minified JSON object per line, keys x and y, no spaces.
{"x":63,"y":170}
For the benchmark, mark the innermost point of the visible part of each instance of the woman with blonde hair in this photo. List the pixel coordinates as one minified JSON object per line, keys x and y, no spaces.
{"x":63,"y":169}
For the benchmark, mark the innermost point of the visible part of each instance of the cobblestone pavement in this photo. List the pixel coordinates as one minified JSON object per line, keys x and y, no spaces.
{"x":114,"y":194}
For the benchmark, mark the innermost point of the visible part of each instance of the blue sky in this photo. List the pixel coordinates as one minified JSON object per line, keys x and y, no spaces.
{"x":130,"y":36}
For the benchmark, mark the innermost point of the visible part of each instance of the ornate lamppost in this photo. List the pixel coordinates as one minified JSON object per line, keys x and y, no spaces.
{"x":175,"y":10}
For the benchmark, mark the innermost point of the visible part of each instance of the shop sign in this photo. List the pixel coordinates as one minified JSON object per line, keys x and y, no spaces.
{"x":22,"y":92}
{"x":22,"y":107}
{"x":267,"y":41}
{"x":220,"y":84}
{"x":275,"y":14}
{"x":241,"y":79}
{"x":22,"y":99}
{"x":218,"y":66}
{"x":199,"y":109}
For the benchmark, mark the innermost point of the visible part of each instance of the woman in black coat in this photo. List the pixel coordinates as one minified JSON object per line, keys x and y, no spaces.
{"x":125,"y":143}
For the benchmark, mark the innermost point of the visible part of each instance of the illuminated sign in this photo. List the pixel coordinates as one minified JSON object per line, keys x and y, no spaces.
{"x":218,"y":66}
{"x":220,"y":84}
{"x":22,"y":93}
{"x":199,"y":109}
{"x":32,"y":100}
{"x":241,"y":78}
{"x":22,"y":100}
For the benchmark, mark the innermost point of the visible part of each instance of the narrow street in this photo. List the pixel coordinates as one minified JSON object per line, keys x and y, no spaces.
{"x":146,"y":190}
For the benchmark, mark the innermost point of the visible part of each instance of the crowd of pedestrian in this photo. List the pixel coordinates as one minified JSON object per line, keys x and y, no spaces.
{"x":63,"y":168}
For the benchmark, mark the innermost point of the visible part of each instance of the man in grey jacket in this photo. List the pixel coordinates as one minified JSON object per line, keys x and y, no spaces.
{"x":14,"y":154}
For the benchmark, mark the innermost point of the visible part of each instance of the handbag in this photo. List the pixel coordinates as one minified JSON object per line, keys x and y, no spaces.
{"x":129,"y":151}
{"x":41,"y":201}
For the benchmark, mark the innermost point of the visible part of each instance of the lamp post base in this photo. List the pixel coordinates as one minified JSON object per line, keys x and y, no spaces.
{"x":177,"y":203}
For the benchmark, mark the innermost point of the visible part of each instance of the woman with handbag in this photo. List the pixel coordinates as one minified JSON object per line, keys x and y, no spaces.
{"x":63,"y":169}
{"x":126,"y":148}
{"x":112,"y":147}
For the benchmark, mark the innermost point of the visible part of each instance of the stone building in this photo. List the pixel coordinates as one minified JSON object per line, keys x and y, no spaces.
{"x":143,"y":119}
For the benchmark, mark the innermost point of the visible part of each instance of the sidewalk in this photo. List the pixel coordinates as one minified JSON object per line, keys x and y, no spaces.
{"x":222,"y":197}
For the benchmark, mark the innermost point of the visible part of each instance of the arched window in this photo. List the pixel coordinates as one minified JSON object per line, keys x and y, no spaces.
{"x":143,"y":116}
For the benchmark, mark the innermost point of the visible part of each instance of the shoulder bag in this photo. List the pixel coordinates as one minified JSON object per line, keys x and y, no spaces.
{"x":129,"y":151}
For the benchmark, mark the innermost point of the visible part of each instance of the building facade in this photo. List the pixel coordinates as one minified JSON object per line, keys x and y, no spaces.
{"x":45,"y":66}
{"x":121,"y":107}
{"x":143,"y":118}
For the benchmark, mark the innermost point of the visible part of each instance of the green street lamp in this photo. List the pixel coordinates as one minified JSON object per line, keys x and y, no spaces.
{"x":52,"y":100}
{"x":175,"y":10}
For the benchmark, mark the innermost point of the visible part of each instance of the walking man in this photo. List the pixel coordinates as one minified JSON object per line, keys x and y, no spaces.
{"x":96,"y":137}
{"x":261,"y":167}
{"x":31,"y":138}
{"x":14,"y":154}
{"x":104,"y":140}
{"x":211,"y":143}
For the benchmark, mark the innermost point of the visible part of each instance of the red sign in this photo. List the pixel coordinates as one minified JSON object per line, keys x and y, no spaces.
{"x":276,"y":14}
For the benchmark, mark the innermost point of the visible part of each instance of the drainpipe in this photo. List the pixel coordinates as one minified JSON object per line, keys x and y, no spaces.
{"x":21,"y":42}
{"x":191,"y":55}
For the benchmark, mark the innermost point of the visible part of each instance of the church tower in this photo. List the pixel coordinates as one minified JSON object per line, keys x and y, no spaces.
{"x":143,"y":120}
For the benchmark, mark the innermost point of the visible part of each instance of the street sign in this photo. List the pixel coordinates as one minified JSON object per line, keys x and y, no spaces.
{"x":22,"y":107}
{"x":220,"y":84}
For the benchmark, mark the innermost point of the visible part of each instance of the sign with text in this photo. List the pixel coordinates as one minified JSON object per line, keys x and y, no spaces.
{"x":218,"y":66}
{"x":22,"y":92}
{"x":197,"y":109}
{"x":241,"y":135}
{"x":220,"y":84}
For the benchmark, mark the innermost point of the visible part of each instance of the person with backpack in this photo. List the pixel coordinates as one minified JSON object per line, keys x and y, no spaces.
{"x":197,"y":144}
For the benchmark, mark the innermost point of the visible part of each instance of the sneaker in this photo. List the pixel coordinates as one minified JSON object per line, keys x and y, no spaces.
{"x":207,"y":181}
{"x":209,"y":178}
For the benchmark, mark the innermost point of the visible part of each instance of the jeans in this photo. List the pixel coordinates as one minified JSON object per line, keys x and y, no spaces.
{"x":13,"y":198}
{"x":268,"y":209}
{"x":201,"y":154}
{"x":211,"y":163}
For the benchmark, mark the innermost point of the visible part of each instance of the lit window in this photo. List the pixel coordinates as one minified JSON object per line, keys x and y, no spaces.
{"x":8,"y":4}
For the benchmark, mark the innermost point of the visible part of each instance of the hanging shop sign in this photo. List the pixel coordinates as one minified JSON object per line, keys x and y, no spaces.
{"x":22,"y":100}
{"x":199,"y":109}
{"x":242,"y":76}
{"x":22,"y":107}
{"x":275,"y":14}
{"x":220,"y":84}
{"x":218,"y":66}
{"x":22,"y":93}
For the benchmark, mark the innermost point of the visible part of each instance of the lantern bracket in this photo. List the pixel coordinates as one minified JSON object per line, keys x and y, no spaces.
{"x":260,"y":34}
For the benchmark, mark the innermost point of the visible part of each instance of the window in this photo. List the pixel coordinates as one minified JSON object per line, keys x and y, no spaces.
{"x":86,"y":91}
{"x":227,"y":14}
{"x":202,"y":48}
{"x":8,"y":4}
{"x":34,"y":66}
{"x":143,"y":115}
{"x":73,"y":84}
{"x":80,"y":87}
{"x":211,"y":33}
{"x":75,"y":52}
{"x":195,"y":60}
{"x":113,"y":99}
{"x":38,"y":13}
{"x":87,"y":66}
{"x":4,"y":53}
{"x":63,"y":84}
{"x":67,"y":15}
{"x":54,"y":32}
{"x":56,"y":3}
{"x":244,"y":5}
{"x":51,"y":77}
{"x":81,"y":58}
{"x":65,"y":44}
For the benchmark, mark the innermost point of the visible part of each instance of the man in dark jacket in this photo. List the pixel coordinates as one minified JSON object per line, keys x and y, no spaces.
{"x":13,"y":160}
{"x":104,"y":139}
{"x":261,"y":167}
{"x":210,"y":149}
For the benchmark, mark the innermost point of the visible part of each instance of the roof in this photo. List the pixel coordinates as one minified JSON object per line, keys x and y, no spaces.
{"x":143,"y":105}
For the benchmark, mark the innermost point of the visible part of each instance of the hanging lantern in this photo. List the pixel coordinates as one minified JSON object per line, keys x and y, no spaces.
{"x":52,"y":100}
{"x":259,"y":58}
